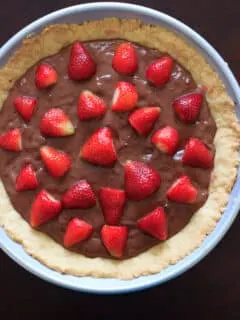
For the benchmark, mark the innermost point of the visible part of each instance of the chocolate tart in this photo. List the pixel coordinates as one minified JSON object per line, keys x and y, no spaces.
{"x":217,"y":127}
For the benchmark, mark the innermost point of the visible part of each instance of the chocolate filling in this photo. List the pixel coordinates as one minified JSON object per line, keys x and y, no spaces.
{"x":129,"y":145}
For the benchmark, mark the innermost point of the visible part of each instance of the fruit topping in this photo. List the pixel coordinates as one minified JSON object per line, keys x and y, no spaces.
{"x":99,"y":148}
{"x":46,"y":76}
{"x":187,"y":107}
{"x":182,"y":191}
{"x":114,"y":239}
{"x":155,"y":223}
{"x":141,"y":180}
{"x":90,"y":106}
{"x":81,"y":64}
{"x":55,"y":123}
{"x":125,"y":97}
{"x":44,"y":208}
{"x":11,"y":140}
{"x":57,"y":162}
{"x":144,"y":119}
{"x":166,"y":139}
{"x":196,"y":154}
{"x":112,"y":202}
{"x":125,"y":59}
{"x":77,"y":231}
{"x":79,"y":196}
{"x":25,"y":106}
{"x":159,"y":71}
{"x":26,"y":179}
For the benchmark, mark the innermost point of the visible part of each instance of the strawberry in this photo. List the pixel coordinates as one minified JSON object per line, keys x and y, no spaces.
{"x":99,"y":148}
{"x":114,"y":239}
{"x":77,"y":231}
{"x":44,"y":208}
{"x":112,"y":202}
{"x":79,"y":196}
{"x":125,"y":59}
{"x":182,"y":191}
{"x":196,"y":154}
{"x":166,"y":139}
{"x":125,"y":97}
{"x":11,"y":140}
{"x":90,"y":106}
{"x":56,"y":123}
{"x":159,"y":71}
{"x":25,"y":106}
{"x":187,"y":107}
{"x":57,"y":162}
{"x":141,"y":180}
{"x":155,"y":223}
{"x":46,"y":76}
{"x":27,"y":179}
{"x":81,"y":65}
{"x":143,"y":120}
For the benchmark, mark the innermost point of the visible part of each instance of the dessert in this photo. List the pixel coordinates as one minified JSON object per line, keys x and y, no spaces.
{"x":113,"y":148}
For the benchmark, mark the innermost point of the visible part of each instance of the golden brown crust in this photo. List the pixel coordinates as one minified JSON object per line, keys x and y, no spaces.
{"x":40,"y":246}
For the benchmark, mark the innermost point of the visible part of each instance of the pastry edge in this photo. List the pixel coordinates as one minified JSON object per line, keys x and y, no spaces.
{"x":52,"y":39}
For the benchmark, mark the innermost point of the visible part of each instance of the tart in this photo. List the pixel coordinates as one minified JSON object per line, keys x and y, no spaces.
{"x":114,"y":138}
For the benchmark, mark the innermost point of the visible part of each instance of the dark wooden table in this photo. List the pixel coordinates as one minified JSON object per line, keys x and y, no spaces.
{"x":211,"y":290}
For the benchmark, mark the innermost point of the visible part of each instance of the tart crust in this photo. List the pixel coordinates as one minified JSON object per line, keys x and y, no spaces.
{"x":51,"y":40}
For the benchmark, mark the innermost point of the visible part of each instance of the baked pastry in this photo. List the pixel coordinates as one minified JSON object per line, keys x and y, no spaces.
{"x":114,"y":138}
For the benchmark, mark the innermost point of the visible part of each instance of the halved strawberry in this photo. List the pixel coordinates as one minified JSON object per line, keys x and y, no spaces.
{"x":56,"y":123}
{"x":79,"y":196}
{"x":81,"y":65}
{"x":112,"y":202}
{"x":143,"y":120}
{"x":166,"y":139}
{"x":77,"y":231}
{"x":57,"y":162}
{"x":196,"y":154}
{"x":155,"y":223}
{"x":114,"y":239}
{"x":125,"y":59}
{"x":46,"y":76}
{"x":182,"y":191}
{"x":44,"y":208}
{"x":25,"y":106}
{"x":99,"y":148}
{"x":141,"y":180}
{"x":27,"y":179}
{"x":11,"y":140}
{"x":187,"y":107}
{"x":90,"y":106}
{"x":125,"y":97}
{"x":159,"y":71}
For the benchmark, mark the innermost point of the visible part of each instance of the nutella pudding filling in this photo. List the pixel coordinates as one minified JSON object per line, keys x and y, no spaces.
{"x":129,"y":146}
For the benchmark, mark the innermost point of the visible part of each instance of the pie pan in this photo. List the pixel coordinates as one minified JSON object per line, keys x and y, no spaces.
{"x":96,"y":11}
